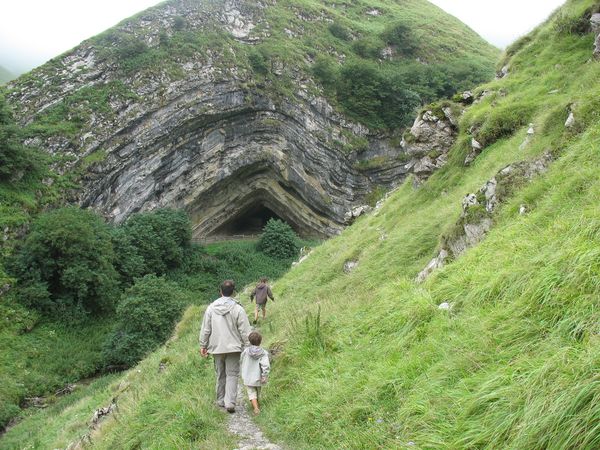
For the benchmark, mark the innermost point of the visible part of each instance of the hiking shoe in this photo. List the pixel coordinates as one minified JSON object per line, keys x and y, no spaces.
{"x":230,"y":409}
{"x":254,"y":322}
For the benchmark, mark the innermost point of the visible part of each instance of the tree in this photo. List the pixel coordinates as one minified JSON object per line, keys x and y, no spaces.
{"x":15,"y":158}
{"x":278,"y":240}
{"x":152,"y":242}
{"x":146,"y":316}
{"x":65,"y":264}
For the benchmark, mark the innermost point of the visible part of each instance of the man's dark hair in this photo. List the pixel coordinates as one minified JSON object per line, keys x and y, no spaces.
{"x":264,"y":279}
{"x":227,"y":288}
{"x":255,"y":338}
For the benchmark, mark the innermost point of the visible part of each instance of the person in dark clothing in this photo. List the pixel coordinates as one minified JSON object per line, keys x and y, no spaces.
{"x":262,"y":292}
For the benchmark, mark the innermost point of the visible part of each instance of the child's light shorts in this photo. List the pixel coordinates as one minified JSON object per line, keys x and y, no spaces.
{"x":253,"y":392}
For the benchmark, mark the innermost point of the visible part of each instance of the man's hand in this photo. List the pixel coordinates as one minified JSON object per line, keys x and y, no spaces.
{"x":204,"y":353}
{"x":263,"y":380}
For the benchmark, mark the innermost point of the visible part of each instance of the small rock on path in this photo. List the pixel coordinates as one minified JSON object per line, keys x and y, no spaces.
{"x":242,"y":425}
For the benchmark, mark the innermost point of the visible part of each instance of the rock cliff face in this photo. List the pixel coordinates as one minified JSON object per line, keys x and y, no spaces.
{"x":201,"y":133}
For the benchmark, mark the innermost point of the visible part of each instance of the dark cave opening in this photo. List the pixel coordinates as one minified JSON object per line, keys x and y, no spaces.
{"x":249,"y":222}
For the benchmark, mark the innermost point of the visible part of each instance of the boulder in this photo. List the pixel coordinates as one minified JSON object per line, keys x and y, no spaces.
{"x":429,"y":141}
{"x":349,"y":266}
{"x":570,"y":122}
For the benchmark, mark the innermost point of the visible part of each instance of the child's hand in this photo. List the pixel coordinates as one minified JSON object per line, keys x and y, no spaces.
{"x":263,"y":380}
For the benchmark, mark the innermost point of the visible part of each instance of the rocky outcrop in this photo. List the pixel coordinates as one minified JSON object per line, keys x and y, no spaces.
{"x":203,"y":134}
{"x":595,"y":23}
{"x":476,"y":218}
{"x":429,"y":140}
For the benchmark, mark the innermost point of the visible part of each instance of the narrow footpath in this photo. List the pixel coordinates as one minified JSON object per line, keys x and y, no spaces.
{"x":242,"y":425}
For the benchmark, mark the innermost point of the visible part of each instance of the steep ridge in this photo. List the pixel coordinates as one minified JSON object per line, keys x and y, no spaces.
{"x":224,"y":108}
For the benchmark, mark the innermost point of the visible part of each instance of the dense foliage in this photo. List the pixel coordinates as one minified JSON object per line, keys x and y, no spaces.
{"x":151,"y":242}
{"x":278,"y":240}
{"x":145,"y":318}
{"x":65,"y":264}
{"x":15,"y":159}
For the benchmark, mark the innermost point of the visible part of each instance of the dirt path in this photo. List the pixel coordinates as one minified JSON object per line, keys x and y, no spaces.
{"x":242,"y":425}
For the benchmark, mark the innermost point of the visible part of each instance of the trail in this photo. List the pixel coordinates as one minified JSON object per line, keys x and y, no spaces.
{"x":242,"y":425}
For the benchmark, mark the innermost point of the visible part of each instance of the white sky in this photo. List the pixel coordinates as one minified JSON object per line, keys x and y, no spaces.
{"x":33,"y":31}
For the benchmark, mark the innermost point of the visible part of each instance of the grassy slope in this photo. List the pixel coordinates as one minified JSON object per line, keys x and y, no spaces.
{"x":514,"y":365}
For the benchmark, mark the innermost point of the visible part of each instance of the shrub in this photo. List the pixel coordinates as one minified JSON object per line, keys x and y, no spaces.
{"x":146,"y":316}
{"x":377,"y":98}
{"x":577,"y":25}
{"x":278,"y":240}
{"x":152,"y":242}
{"x":340,"y":31}
{"x":65,"y":264}
{"x":401,"y":37}
{"x":503,"y":121}
{"x":368,"y":47}
{"x":325,"y":70}
{"x":14,"y":157}
{"x":259,"y":59}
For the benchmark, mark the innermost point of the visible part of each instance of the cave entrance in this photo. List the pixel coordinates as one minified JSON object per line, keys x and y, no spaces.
{"x":249,"y":222}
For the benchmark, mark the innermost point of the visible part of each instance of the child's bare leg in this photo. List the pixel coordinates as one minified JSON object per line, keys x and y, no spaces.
{"x":254,"y":402}
{"x":256,"y":314}
{"x":264,"y":312}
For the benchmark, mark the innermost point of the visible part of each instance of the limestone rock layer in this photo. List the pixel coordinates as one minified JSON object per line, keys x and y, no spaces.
{"x":204,"y":134}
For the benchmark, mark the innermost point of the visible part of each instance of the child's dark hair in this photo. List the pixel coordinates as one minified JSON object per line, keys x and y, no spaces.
{"x":255,"y":338}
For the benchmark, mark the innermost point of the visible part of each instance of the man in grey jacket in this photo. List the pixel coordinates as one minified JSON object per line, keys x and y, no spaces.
{"x":224,"y":334}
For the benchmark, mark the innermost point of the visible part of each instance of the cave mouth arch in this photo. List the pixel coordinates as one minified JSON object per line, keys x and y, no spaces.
{"x":250,"y":221}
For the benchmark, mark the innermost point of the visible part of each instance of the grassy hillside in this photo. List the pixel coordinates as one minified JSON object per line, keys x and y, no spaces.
{"x":366,"y":359}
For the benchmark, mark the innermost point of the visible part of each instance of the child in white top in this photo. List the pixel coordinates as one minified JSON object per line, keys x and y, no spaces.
{"x":255,"y":368}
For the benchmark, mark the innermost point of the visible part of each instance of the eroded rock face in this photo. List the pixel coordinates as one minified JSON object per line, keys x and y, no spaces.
{"x":206,"y":137}
{"x":429,"y":141}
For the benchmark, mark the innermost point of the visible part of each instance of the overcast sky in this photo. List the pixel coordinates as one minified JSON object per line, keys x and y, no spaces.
{"x":33,"y":31}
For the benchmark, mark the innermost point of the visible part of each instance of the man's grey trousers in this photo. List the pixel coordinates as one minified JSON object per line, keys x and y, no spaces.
{"x":227,"y":368}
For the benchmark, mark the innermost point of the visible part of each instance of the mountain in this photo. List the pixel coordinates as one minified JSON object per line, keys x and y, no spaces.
{"x":5,"y":75}
{"x":494,"y":346}
{"x":234,"y":110}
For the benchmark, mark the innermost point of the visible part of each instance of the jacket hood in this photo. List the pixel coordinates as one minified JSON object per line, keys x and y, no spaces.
{"x":255,"y":352}
{"x":261,"y":286}
{"x":223,"y":305}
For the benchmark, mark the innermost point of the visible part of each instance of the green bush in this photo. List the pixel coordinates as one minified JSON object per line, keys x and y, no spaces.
{"x":278,"y":240}
{"x":14,"y":157}
{"x":65,"y":264}
{"x":401,"y":37}
{"x":340,"y":31}
{"x":503,"y":121}
{"x":378,"y":98}
{"x":577,"y":25}
{"x":151,"y":242}
{"x":368,"y":47}
{"x":146,"y":316}
{"x":326,"y":71}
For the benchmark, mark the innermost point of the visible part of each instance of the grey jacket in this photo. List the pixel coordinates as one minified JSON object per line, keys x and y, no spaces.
{"x":254,"y":365}
{"x":225,"y":327}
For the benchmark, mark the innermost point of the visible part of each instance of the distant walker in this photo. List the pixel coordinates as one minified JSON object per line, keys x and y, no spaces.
{"x":262,"y":292}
